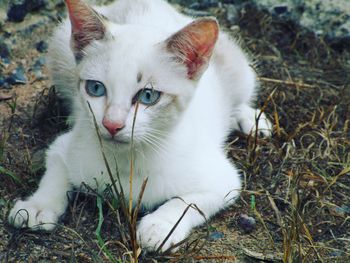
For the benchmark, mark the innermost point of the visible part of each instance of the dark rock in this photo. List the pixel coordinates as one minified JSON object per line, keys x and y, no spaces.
{"x":216,"y":235}
{"x":18,"y":9}
{"x":5,"y":51}
{"x":246,"y":223}
{"x":209,"y":3}
{"x":204,"y":4}
{"x":41,"y":46}
{"x":35,"y":5}
{"x":280,"y":9}
{"x":17,"y":77}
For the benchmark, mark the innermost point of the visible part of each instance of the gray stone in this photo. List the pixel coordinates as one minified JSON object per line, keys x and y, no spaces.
{"x":231,"y":13}
{"x":41,"y":46}
{"x":17,"y":77}
{"x":246,"y":223}
{"x":18,"y":9}
{"x":216,"y":235}
{"x":195,"y":13}
{"x":5,"y":51}
{"x":327,"y":18}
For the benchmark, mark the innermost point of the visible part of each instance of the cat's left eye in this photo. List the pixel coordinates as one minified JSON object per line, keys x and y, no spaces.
{"x":147,"y":96}
{"x":95,"y":88}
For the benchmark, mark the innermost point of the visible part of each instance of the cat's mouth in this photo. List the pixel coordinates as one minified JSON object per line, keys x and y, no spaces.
{"x":120,"y":141}
{"x":116,"y":139}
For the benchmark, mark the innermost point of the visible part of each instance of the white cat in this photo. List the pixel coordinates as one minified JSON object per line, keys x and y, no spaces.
{"x":192,"y":84}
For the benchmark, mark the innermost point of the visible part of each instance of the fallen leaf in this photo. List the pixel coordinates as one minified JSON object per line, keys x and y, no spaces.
{"x":5,"y":97}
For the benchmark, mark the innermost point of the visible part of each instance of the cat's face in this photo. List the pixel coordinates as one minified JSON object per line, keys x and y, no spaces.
{"x":137,"y":80}
{"x":121,"y":75}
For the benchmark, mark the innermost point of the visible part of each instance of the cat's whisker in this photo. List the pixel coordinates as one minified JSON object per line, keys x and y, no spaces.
{"x":154,"y":144}
{"x":158,"y":145}
{"x":158,"y":134}
{"x":160,"y":140}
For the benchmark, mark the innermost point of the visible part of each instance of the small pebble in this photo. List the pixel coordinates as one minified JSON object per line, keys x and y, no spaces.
{"x":216,"y":235}
{"x":231,"y":14}
{"x":246,"y":223}
{"x":341,"y":211}
{"x":17,"y":11}
{"x":209,"y":3}
{"x":5,"y":51}
{"x":281,"y":9}
{"x":39,"y":63}
{"x":17,"y":77}
{"x":337,"y":253}
{"x":195,"y":5}
{"x":195,"y":13}
{"x":35,"y":5}
{"x":41,"y":46}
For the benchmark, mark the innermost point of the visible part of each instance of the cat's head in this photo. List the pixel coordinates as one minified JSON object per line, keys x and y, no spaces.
{"x":135,"y":73}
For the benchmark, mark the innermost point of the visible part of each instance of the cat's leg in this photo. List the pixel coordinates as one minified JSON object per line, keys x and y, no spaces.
{"x":43,"y":209}
{"x":247,"y":120}
{"x":238,"y":80}
{"x":154,"y":227}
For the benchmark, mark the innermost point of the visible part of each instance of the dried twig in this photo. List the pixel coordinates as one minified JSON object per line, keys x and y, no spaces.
{"x":299,"y":84}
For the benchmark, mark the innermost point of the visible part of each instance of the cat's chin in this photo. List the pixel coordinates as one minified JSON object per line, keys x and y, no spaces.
{"x":116,"y":140}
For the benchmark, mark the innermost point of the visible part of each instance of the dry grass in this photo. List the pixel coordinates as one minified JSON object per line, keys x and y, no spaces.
{"x":299,"y":179}
{"x":301,"y":175}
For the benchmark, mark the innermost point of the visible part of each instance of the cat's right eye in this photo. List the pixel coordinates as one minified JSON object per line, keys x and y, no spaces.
{"x":95,"y":88}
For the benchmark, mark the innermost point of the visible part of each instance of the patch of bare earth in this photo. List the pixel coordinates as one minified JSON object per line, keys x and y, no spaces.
{"x":296,"y":184}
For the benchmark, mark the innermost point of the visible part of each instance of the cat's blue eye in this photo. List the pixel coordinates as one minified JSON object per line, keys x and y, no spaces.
{"x":148,"y":96}
{"x":95,"y":88}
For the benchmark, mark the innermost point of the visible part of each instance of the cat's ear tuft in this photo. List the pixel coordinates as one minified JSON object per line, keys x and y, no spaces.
{"x":193,"y":45}
{"x":87,"y":25}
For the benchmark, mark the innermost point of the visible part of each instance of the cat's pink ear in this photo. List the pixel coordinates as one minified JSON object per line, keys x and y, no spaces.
{"x":194,"y":44}
{"x":87,"y":25}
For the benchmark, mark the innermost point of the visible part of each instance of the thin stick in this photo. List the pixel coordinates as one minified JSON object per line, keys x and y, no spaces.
{"x":132,"y":160}
{"x":287,"y":82}
{"x":219,"y":257}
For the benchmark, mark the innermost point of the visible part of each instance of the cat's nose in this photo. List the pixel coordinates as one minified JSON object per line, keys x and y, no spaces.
{"x":112,"y":127}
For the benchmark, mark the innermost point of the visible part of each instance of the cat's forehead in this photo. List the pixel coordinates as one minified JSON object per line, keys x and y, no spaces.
{"x":122,"y":63}
{"x":138,"y":35}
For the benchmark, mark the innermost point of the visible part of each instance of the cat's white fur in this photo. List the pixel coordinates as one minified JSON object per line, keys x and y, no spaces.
{"x":178,"y":142}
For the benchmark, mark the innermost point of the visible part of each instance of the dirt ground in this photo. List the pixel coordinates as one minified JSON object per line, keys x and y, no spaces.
{"x":296,"y":184}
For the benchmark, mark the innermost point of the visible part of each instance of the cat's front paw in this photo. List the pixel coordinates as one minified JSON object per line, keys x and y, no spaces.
{"x":33,"y":215}
{"x":248,"y":125}
{"x":152,"y":230}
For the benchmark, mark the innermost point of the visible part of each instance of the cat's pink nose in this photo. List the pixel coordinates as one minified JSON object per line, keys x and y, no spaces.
{"x":112,"y":127}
